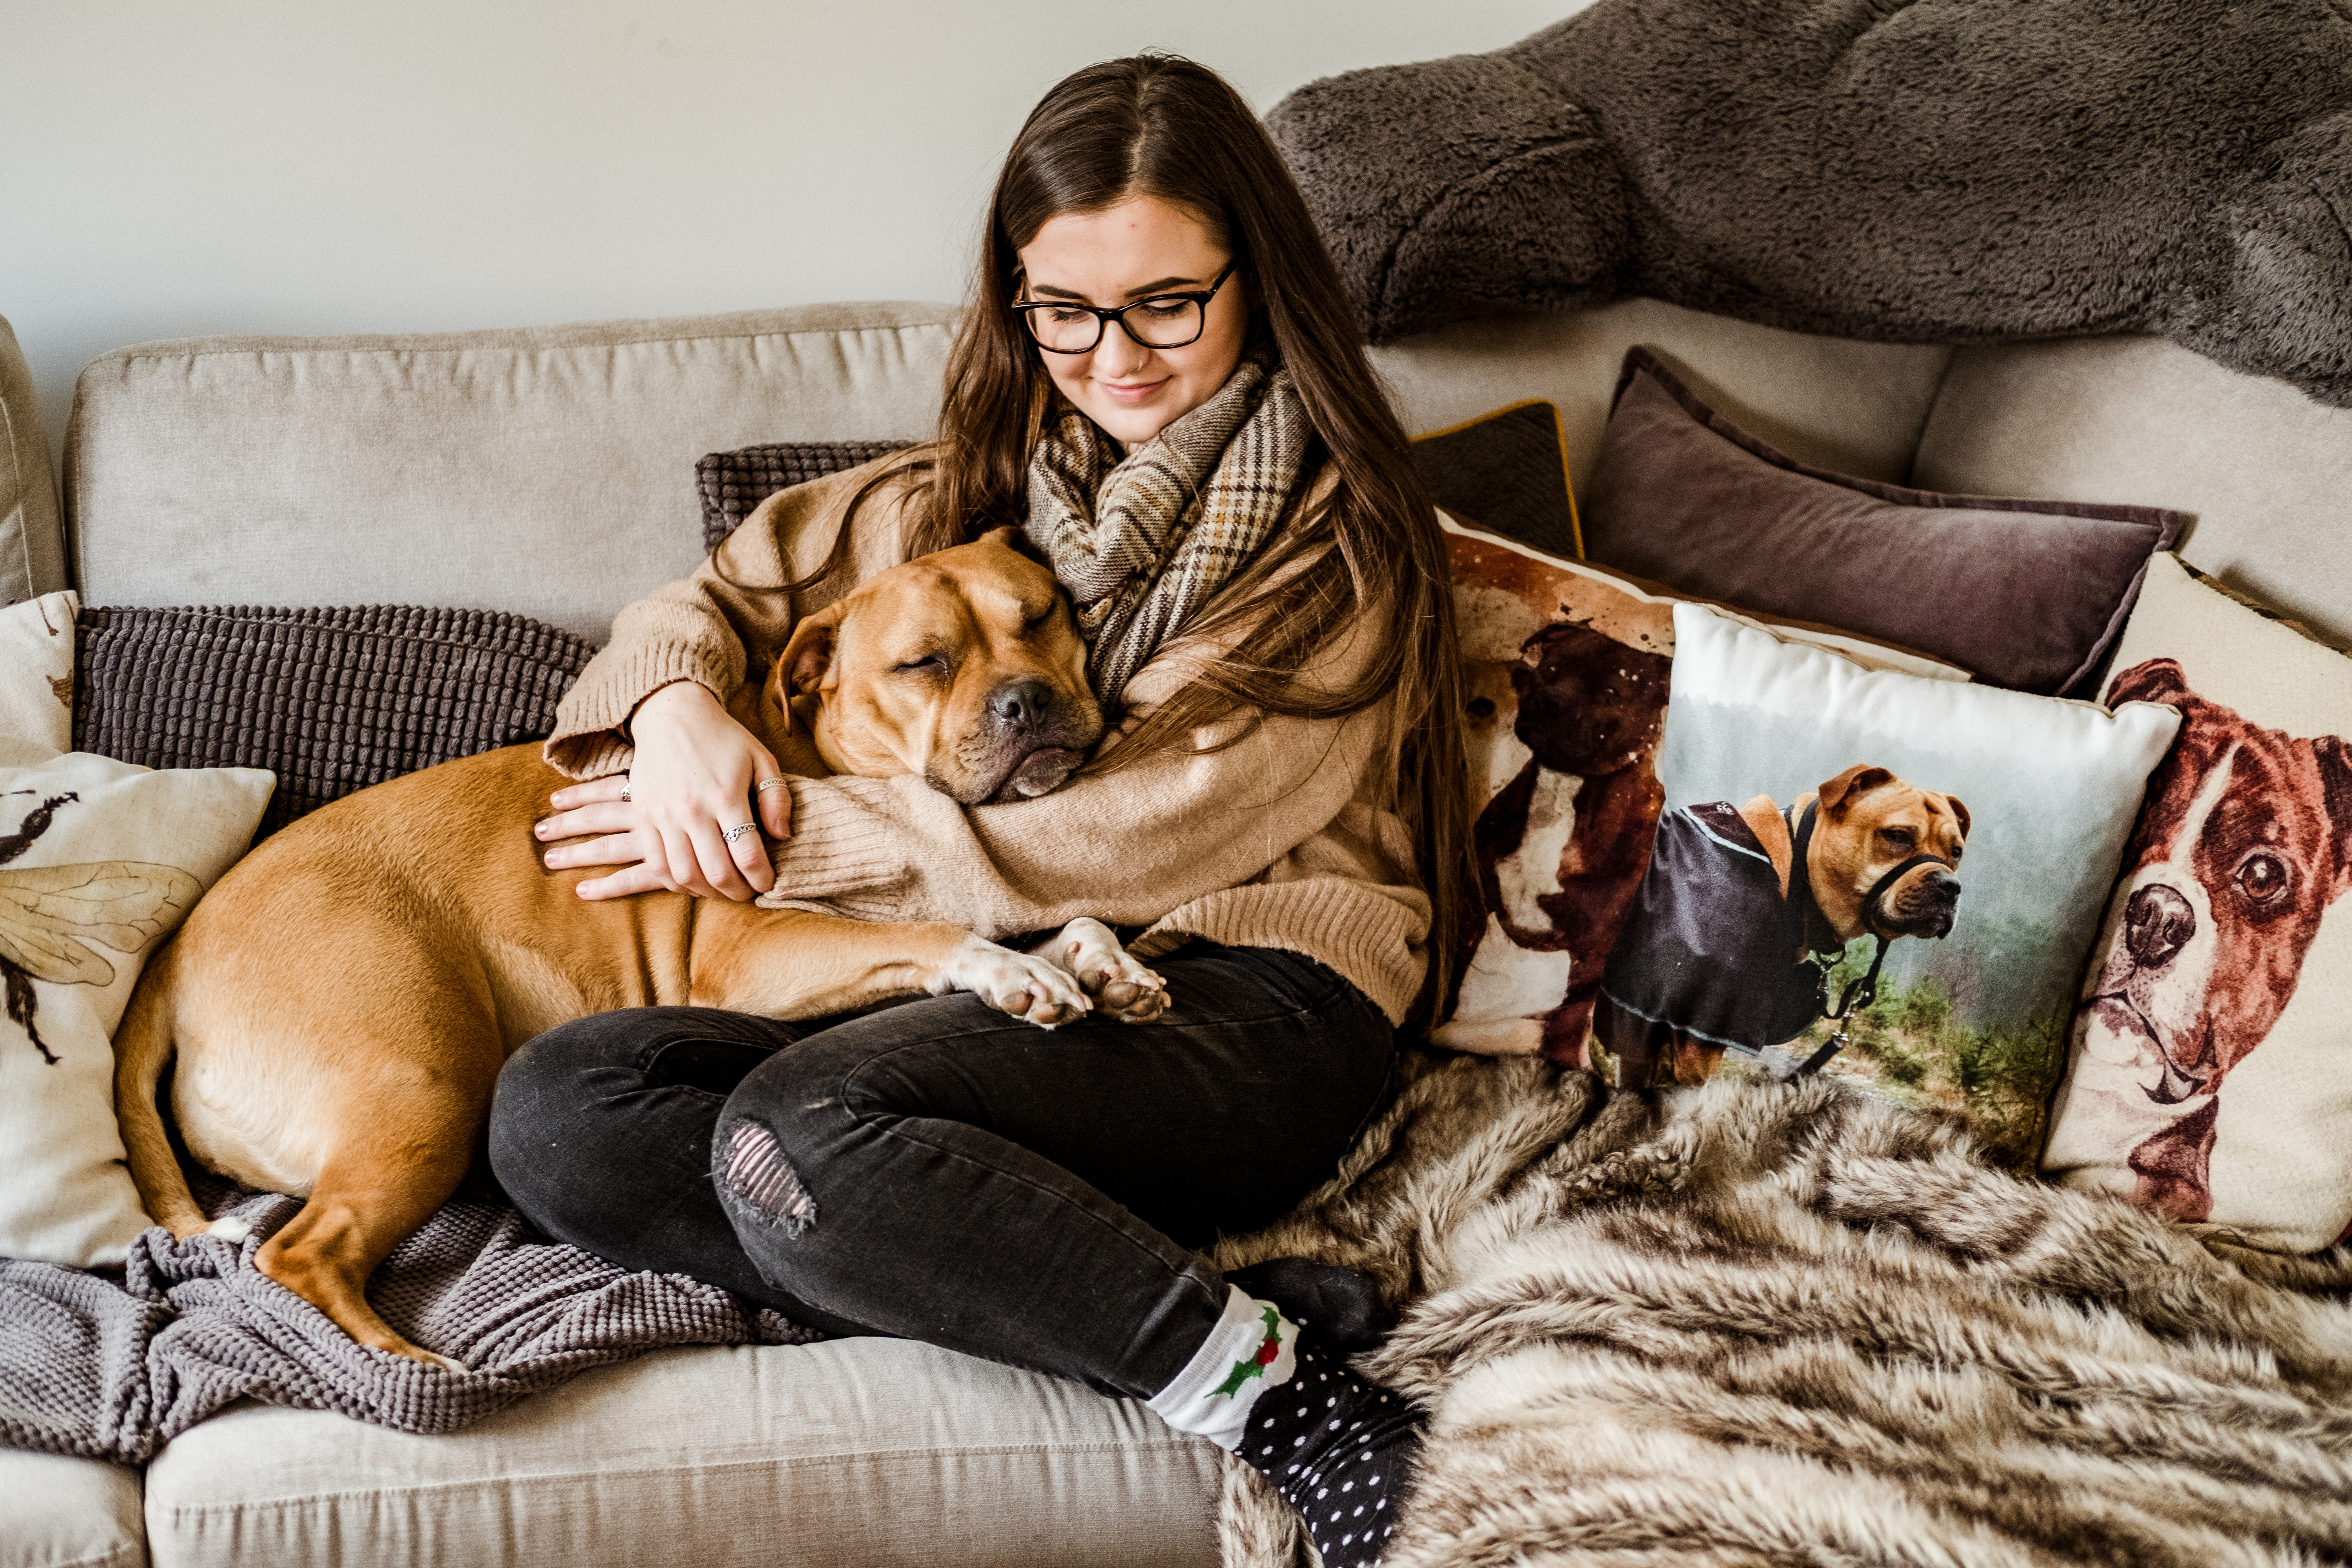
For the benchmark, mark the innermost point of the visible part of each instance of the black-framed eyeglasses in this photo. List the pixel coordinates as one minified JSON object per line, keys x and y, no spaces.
{"x":1166,"y":322}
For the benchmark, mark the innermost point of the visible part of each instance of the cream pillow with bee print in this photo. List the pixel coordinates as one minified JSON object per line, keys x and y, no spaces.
{"x":98,"y":861}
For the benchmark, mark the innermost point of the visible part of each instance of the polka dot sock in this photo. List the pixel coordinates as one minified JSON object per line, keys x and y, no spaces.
{"x":1340,"y":1450}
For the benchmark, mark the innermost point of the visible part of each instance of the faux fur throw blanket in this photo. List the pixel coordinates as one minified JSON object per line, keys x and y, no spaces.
{"x":1144,"y":541}
{"x":1907,"y":170}
{"x":1762,"y":1324}
{"x":114,"y":1372}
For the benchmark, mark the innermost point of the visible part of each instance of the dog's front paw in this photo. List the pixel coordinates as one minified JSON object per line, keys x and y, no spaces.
{"x":1122,"y":989}
{"x":1020,"y":984}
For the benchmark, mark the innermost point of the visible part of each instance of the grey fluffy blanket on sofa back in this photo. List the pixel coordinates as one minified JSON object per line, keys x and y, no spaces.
{"x":1929,"y":171}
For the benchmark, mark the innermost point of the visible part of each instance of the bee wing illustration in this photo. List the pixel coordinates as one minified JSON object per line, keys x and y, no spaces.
{"x":119,"y":904}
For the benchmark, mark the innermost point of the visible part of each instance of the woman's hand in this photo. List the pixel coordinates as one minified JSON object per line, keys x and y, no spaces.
{"x":696,"y":774}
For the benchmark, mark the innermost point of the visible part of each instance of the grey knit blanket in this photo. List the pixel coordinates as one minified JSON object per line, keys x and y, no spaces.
{"x":111,"y":1370}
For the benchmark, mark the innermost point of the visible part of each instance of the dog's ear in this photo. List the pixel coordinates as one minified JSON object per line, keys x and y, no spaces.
{"x":809,"y":655}
{"x":1960,"y":810}
{"x":1849,"y":785}
{"x":2335,"y":755}
{"x":1008,"y":536}
{"x":2155,"y":680}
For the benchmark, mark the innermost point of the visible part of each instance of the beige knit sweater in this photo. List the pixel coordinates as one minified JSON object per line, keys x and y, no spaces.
{"x":1281,"y":840}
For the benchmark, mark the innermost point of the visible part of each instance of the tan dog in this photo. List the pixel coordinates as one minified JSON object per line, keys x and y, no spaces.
{"x":1869,"y":822}
{"x":1715,"y":952}
{"x":341,"y":1001}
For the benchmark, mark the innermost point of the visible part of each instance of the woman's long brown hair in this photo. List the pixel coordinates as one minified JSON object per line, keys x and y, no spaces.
{"x":1162,"y":126}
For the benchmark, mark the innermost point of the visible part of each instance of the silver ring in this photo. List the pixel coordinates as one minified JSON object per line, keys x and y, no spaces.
{"x":739,"y":830}
{"x":625,"y":789}
{"x":773,"y":783}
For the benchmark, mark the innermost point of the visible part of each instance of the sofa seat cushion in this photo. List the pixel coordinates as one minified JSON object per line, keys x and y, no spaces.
{"x":848,"y":1452}
{"x":58,"y":1512}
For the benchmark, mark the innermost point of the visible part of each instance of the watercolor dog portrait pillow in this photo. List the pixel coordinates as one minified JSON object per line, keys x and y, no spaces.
{"x":2211,"y":1077}
{"x":1926,"y":857}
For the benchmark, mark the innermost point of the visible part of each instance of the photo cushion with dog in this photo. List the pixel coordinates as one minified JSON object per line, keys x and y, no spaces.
{"x":1927,"y":858}
{"x":99,"y":860}
{"x":2209,"y":1075}
{"x":2027,"y":593}
{"x":1565,"y":676}
{"x":36,"y":669}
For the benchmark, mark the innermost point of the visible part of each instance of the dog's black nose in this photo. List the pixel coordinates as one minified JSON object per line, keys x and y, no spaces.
{"x":1020,"y":704}
{"x":1943,"y":887}
{"x":2157,"y":923}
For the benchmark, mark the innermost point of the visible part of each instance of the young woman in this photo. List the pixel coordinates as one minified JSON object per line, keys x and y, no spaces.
{"x":1160,"y":383}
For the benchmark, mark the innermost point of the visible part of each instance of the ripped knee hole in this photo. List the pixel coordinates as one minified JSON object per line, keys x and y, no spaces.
{"x":757,"y":1171}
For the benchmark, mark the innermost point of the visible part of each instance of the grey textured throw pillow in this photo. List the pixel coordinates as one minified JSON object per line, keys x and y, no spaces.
{"x":734,"y":483}
{"x":330,"y":701}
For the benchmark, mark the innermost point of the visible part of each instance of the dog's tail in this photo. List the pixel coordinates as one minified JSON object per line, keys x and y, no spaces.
{"x":141,"y":1045}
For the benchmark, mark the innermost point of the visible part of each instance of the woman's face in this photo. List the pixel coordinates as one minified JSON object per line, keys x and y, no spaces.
{"x":1140,"y":248}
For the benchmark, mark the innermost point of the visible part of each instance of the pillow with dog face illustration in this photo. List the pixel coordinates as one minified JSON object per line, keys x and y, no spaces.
{"x":2026,"y":593}
{"x":1564,"y":680}
{"x":1926,"y":859}
{"x":2209,"y":1076}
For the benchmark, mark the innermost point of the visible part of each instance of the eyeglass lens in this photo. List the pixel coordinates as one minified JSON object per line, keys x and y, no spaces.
{"x":1167,"y":323}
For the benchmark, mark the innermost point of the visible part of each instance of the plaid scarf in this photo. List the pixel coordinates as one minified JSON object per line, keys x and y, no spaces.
{"x":1143,"y":543}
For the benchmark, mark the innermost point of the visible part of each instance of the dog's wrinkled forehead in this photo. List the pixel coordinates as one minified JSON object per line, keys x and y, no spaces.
{"x":918,"y":614}
{"x":1904,"y":819}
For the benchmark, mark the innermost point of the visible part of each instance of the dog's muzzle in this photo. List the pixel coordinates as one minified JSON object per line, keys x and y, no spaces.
{"x":1925,"y":908}
{"x":1034,"y":729}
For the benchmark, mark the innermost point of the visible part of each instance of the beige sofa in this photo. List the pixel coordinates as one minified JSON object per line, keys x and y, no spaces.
{"x":550,"y":471}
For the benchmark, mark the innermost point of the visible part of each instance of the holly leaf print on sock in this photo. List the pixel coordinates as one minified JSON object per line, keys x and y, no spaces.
{"x":1255,"y":1365}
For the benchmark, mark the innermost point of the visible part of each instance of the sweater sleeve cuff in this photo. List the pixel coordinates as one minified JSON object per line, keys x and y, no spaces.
{"x":844,"y":857}
{"x":590,"y":739}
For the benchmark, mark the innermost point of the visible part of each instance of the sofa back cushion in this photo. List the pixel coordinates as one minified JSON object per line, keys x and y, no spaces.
{"x":32,"y":548}
{"x":545,"y":471}
{"x":2264,"y":469}
{"x":1854,"y":408}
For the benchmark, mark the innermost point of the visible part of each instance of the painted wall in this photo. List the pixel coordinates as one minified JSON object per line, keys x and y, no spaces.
{"x":170,"y":170}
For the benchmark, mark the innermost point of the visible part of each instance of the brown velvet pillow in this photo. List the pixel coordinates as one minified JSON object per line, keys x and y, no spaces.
{"x":2027,"y":593}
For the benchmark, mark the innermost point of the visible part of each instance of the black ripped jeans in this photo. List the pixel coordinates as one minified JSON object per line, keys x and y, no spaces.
{"x":938,"y":1170}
